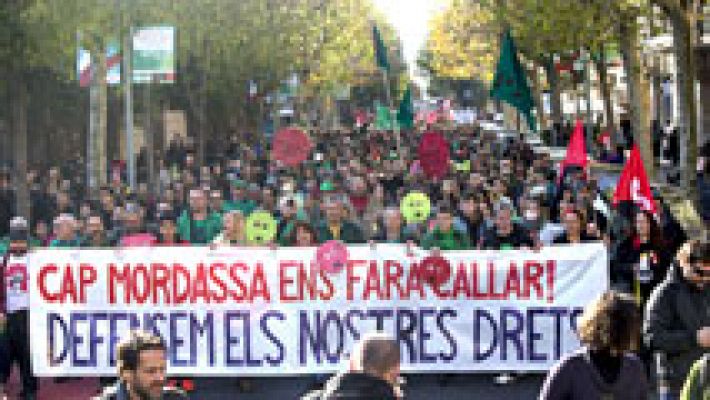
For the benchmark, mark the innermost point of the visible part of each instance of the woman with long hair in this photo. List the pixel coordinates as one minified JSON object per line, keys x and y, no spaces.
{"x":642,"y":260}
{"x":606,"y":367}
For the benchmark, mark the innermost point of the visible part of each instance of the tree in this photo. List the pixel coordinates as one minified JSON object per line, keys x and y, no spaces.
{"x":221,"y":45}
{"x":462,"y":42}
{"x":683,"y":15}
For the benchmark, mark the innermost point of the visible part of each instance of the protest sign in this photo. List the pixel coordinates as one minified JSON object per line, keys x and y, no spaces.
{"x":245,"y":311}
{"x":291,"y":146}
{"x":434,"y":154}
{"x":260,"y":228}
{"x":415,"y":207}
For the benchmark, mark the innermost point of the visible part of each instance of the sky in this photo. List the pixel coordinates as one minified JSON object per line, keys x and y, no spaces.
{"x":410,"y":18}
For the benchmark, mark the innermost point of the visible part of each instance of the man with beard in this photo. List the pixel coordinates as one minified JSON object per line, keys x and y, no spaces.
{"x":141,"y":360}
{"x":14,"y":311}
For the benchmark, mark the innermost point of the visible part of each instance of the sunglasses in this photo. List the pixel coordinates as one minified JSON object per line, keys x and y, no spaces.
{"x":699,"y":271}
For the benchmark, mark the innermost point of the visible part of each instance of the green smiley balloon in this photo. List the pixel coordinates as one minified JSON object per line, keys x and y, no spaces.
{"x":415,"y":207}
{"x":261,"y":228}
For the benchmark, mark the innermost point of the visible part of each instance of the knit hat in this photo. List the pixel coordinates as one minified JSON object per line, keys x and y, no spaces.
{"x":18,"y":229}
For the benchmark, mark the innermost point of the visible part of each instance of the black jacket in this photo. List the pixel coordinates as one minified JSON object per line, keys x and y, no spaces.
{"x":674,"y":314}
{"x":118,"y":392}
{"x":628,"y":254}
{"x":518,"y":237}
{"x":704,"y":194}
{"x":353,"y":386}
{"x":7,"y":210}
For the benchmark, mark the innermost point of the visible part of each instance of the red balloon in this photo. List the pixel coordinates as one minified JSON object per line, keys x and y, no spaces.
{"x":435,"y":270}
{"x":291,"y":146}
{"x":434,"y":154}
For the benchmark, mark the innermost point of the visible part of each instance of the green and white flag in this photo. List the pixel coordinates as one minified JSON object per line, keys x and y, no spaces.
{"x":510,"y":83}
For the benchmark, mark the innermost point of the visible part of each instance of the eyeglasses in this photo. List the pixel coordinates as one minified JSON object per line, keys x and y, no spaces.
{"x":699,"y":270}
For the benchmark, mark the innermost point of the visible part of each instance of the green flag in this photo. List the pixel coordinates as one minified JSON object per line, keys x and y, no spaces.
{"x":510,"y":83}
{"x":380,"y":50}
{"x":383,"y":118}
{"x":405,"y":113}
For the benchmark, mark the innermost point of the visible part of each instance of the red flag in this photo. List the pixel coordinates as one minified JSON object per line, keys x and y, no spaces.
{"x":633,"y":184}
{"x":576,"y":150}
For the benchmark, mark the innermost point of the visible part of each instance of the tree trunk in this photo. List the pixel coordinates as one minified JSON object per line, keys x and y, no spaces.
{"x":553,"y":78}
{"x":683,"y":34}
{"x":19,"y":128}
{"x":639,"y":92}
{"x":537,"y":94}
{"x":605,"y":90}
{"x":202,"y":130}
{"x":97,"y":126}
{"x":150,"y":137}
{"x":202,"y":120}
{"x":703,"y":73}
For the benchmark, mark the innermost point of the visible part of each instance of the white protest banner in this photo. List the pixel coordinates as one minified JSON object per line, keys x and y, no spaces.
{"x":256,"y":311}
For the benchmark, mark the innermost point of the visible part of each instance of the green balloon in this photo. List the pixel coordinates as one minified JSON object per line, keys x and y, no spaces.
{"x":261,"y":228}
{"x":415,"y":207}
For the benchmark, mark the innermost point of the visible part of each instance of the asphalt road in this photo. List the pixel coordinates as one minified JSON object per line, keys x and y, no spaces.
{"x":419,"y":387}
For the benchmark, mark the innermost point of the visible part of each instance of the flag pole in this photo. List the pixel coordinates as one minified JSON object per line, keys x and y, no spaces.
{"x":386,"y":82}
{"x":390,"y":105}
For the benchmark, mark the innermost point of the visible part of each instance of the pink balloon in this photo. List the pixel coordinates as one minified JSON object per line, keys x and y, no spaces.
{"x":332,"y":256}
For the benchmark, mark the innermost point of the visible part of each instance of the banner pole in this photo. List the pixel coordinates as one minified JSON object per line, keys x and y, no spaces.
{"x":388,"y":94}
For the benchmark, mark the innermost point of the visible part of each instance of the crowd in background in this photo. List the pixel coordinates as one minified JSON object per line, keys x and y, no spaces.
{"x":499,"y":194}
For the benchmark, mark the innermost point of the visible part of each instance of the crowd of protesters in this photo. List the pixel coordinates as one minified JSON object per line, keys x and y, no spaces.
{"x":499,"y":194}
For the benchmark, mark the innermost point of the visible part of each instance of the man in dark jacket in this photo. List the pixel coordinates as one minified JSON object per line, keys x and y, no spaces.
{"x":505,"y":235}
{"x":141,"y":360}
{"x":374,"y":373}
{"x":336,"y":227}
{"x":677,"y":321}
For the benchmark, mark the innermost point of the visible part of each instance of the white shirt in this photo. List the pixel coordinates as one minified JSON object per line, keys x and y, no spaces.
{"x":16,"y":282}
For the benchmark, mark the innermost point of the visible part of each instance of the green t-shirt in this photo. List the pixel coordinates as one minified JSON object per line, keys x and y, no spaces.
{"x":450,"y":240}
{"x":199,"y":232}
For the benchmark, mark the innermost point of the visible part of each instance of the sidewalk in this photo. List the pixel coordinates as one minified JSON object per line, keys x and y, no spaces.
{"x":74,"y":389}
